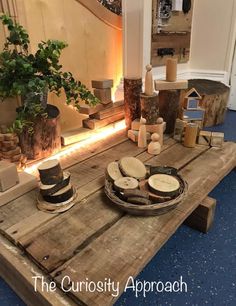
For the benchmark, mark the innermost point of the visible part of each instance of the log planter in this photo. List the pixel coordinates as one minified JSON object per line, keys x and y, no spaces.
{"x":46,"y":137}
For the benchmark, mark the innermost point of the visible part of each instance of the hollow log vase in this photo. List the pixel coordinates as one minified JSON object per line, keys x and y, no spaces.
{"x":149,"y":108}
{"x":132,"y":90}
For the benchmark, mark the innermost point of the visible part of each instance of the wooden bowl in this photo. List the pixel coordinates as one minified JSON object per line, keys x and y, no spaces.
{"x":147,"y":210}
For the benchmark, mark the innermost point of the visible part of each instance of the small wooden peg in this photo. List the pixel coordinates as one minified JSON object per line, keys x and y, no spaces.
{"x":149,"y":86}
{"x":154,"y":147}
{"x":142,"y":135}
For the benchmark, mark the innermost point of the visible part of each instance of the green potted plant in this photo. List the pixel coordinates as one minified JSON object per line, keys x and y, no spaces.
{"x":30,"y":77}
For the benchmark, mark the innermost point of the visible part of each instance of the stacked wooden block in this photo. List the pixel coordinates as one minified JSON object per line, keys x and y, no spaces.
{"x":9,"y":147}
{"x":105,"y":113}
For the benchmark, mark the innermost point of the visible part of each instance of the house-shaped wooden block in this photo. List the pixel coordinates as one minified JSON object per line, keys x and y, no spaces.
{"x":192,"y":100}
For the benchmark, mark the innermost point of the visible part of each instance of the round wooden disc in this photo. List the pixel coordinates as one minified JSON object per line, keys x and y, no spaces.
{"x":125,"y":183}
{"x":163,"y":184}
{"x":132,"y":167}
{"x":113,"y":171}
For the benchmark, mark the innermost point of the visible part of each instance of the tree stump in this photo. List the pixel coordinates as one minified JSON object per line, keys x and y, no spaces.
{"x":149,"y":108}
{"x":132,"y":90}
{"x":46,"y":138}
{"x":169,"y":108}
{"x":214,"y":100}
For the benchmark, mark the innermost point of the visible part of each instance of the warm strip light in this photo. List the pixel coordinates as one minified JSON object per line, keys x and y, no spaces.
{"x":107,"y":131}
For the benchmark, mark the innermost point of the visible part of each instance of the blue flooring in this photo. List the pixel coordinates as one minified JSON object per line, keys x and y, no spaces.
{"x":206,"y":262}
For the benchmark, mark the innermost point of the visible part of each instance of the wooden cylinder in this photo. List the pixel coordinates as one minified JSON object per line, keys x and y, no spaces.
{"x":46,"y":137}
{"x":132,"y":90}
{"x":149,"y":108}
{"x":190,"y":136}
{"x":169,"y":108}
{"x":171,"y":69}
{"x":214,"y":100}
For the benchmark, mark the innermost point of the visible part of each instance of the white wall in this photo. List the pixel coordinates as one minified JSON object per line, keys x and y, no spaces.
{"x":212,"y":43}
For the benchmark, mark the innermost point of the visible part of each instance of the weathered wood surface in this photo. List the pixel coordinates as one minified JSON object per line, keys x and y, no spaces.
{"x":95,"y":240}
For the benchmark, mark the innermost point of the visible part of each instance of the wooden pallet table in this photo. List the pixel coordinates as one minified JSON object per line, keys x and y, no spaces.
{"x":94,"y":241}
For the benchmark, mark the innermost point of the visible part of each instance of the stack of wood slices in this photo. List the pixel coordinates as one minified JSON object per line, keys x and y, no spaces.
{"x":142,"y":190}
{"x":56,"y":192}
{"x":9,"y":147}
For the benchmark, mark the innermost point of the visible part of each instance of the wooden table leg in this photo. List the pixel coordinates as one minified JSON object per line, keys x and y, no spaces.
{"x":203,"y":216}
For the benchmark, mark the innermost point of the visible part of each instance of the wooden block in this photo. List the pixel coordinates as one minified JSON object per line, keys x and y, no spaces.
{"x":117,"y":108}
{"x":27,"y":182}
{"x":195,"y":115}
{"x":133,"y":135}
{"x":203,"y":216}
{"x":104,"y":95}
{"x":96,"y":124}
{"x":151,"y":128}
{"x":191,"y":104}
{"x":103,"y":83}
{"x":204,"y":138}
{"x":73,"y":136}
{"x":217,"y":139}
{"x":8,"y":176}
{"x":88,"y":110}
{"x":164,"y":85}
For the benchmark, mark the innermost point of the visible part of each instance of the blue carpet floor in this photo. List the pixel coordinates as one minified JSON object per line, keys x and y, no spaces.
{"x":207,"y":262}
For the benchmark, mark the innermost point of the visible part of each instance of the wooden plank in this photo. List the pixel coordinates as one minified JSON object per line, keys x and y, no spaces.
{"x":203,"y":216}
{"x":164,"y":85}
{"x":18,"y":271}
{"x":73,"y":136}
{"x":175,"y":41}
{"x":125,"y":248}
{"x":108,"y":112}
{"x":59,"y":239}
{"x":88,"y":110}
{"x":97,"y":124}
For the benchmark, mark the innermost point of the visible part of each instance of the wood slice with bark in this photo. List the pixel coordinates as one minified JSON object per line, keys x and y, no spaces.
{"x":50,"y":172}
{"x":138,"y":200}
{"x":125,"y":183}
{"x":164,"y":184}
{"x":143,"y":185}
{"x":113,"y":171}
{"x":136,"y":193}
{"x":60,"y":196}
{"x":133,"y":167}
{"x":47,"y":190}
{"x":132,"y":90}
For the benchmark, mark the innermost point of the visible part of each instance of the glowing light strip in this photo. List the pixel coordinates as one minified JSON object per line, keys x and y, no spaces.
{"x":107,"y":131}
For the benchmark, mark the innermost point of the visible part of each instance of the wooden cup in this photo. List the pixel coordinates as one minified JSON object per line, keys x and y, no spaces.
{"x":190,"y":136}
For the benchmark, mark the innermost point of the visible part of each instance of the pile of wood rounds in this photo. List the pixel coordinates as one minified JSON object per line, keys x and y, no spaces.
{"x":56,"y":192}
{"x":9,"y":147}
{"x":141,"y":190}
